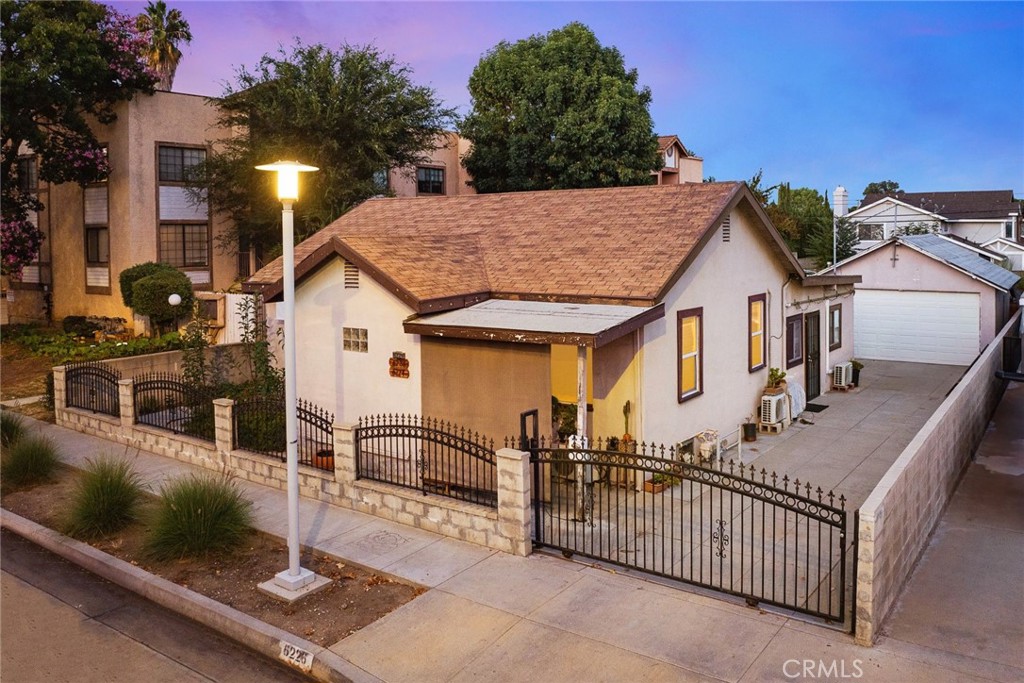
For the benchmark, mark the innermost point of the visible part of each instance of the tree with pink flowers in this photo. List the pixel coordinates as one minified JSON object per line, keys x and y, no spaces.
{"x":62,"y":64}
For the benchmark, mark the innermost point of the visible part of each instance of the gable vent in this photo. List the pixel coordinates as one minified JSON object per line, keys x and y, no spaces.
{"x":727,"y":229}
{"x":351,"y":275}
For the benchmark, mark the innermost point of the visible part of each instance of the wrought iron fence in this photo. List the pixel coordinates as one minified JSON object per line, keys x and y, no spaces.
{"x":429,"y":455}
{"x":165,"y":401}
{"x":259,"y":426}
{"x":92,"y":386}
{"x":721,"y":525}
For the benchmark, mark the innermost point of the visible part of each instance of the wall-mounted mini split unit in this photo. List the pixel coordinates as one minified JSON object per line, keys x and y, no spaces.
{"x":773,"y":409}
{"x":842,"y":375}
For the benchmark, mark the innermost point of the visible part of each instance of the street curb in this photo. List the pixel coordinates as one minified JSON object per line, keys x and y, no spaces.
{"x":238,"y":626}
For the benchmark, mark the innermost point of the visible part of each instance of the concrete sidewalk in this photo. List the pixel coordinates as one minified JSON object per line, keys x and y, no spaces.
{"x":491,"y":616}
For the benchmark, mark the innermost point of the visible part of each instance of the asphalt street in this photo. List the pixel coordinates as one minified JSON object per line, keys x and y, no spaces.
{"x":61,"y":623}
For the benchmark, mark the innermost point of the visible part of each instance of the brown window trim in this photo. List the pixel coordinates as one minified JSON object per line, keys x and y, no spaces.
{"x":689,"y":313}
{"x":792,"y":360}
{"x":838,"y":343}
{"x":89,"y":289}
{"x":98,"y":290}
{"x":763,"y":298}
{"x":444,"y":180}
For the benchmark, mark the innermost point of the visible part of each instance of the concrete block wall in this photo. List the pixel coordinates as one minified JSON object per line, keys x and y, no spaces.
{"x":506,"y":528}
{"x":898,"y":517}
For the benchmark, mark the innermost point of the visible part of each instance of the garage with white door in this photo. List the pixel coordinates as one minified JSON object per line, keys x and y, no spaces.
{"x":926,"y":299}
{"x":919,"y":327}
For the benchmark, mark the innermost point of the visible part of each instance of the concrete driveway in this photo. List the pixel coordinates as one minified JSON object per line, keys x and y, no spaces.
{"x":851,"y":444}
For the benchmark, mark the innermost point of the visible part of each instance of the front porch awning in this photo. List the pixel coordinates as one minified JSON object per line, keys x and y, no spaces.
{"x":536,"y":322}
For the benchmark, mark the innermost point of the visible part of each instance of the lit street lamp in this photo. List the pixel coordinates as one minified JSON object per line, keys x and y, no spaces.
{"x":295,"y":578}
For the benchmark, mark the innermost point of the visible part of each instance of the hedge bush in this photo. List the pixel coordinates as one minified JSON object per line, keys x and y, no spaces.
{"x":130,"y":276}
{"x":149,"y":295}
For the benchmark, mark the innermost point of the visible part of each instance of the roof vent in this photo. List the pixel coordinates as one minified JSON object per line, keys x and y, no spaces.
{"x":351,"y":275}
{"x":727,"y":229}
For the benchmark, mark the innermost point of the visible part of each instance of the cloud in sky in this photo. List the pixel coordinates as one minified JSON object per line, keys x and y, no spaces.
{"x":816,"y":94}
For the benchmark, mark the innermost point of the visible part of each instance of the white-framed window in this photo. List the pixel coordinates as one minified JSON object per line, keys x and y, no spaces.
{"x":870,"y":231}
{"x":1008,"y":229}
{"x":354,"y":339}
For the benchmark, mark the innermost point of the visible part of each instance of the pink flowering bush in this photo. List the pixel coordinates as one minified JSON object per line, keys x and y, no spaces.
{"x":127,"y":47}
{"x":19,"y":243}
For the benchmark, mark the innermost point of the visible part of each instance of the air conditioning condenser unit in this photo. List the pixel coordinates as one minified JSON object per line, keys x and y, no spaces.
{"x":773,"y":409}
{"x":842,"y":375}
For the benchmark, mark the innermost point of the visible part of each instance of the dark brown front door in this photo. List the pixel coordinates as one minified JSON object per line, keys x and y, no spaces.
{"x":812,"y":344}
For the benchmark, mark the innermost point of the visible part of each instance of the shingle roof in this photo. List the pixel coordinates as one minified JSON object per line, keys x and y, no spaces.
{"x":963,"y":258}
{"x":621,"y":245}
{"x":665,"y":140}
{"x":957,"y":205}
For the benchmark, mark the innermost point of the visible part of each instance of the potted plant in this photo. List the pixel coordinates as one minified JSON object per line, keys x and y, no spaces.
{"x":857,"y":366}
{"x":659,"y":482}
{"x":324,"y":459}
{"x":776,"y":382}
{"x":750,"y":429}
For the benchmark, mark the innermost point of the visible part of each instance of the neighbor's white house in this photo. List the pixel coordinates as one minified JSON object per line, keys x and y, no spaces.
{"x":989,"y":218}
{"x":475,"y":308}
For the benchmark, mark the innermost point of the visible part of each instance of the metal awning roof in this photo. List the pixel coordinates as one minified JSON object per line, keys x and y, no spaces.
{"x":536,"y":322}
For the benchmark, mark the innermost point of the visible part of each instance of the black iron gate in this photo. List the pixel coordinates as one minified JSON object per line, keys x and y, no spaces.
{"x":727,"y":527}
{"x":92,"y":386}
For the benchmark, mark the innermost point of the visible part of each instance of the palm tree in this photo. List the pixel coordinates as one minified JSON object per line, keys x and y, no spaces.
{"x":166,"y":29}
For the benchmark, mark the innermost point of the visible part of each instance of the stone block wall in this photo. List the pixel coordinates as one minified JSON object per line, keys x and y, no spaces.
{"x":506,"y":528}
{"x":898,"y":517}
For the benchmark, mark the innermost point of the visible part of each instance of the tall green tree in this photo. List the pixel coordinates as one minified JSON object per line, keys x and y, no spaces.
{"x":558,"y":111}
{"x":352,"y":112}
{"x":820,"y":236}
{"x":63,"y":64}
{"x":882,"y":187}
{"x":164,"y":31}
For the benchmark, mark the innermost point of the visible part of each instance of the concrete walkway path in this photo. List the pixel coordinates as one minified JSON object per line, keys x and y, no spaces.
{"x":494,"y":617}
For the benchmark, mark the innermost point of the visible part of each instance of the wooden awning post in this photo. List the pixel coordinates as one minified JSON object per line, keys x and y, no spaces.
{"x":584,"y":475}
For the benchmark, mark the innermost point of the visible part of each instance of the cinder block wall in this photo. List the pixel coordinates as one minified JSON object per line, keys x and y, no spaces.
{"x":899,"y":515}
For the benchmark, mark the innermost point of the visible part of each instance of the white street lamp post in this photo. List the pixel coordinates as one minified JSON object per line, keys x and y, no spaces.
{"x":288,"y":191}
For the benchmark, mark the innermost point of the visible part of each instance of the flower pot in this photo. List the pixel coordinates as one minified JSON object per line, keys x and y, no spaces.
{"x":324,"y":460}
{"x":750,"y":431}
{"x":856,"y":376}
{"x":655,"y":487}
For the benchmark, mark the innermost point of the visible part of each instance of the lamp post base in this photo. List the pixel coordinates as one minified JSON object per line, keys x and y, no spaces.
{"x":288,"y":588}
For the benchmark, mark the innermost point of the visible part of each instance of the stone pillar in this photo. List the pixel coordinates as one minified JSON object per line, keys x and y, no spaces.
{"x":126,"y":400}
{"x":60,"y":393}
{"x":344,"y":454}
{"x":864,"y":582}
{"x":514,"y":512}
{"x":223,"y":427}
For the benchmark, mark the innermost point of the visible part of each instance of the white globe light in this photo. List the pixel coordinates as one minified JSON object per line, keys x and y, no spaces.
{"x":174,"y":299}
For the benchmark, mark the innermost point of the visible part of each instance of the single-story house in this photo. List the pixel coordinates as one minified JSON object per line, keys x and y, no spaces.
{"x":927,"y":299}
{"x":984,"y":217}
{"x":476,"y":308}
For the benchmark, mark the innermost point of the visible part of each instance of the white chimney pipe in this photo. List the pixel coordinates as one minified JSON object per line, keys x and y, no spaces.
{"x":840,"y":201}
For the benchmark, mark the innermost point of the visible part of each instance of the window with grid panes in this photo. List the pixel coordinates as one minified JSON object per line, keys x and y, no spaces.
{"x":174,"y":162}
{"x":429,"y":180}
{"x":28,"y":174}
{"x":184,"y":245}
{"x":354,"y":339}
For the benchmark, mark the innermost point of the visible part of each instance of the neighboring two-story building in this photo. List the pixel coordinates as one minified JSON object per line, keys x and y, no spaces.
{"x":989,"y":218}
{"x":141,"y":213}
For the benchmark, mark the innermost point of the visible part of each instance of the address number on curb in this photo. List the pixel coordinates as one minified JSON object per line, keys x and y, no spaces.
{"x":296,"y":656}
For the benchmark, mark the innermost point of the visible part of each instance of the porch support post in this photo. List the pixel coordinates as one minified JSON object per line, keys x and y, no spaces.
{"x":583,"y":471}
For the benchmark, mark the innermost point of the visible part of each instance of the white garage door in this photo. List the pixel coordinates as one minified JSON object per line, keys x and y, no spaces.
{"x":920,"y":327}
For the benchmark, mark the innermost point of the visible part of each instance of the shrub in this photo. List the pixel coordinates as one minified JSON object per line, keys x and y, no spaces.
{"x":31,"y":460}
{"x":11,"y":428}
{"x":262,"y":432}
{"x":129,"y":277}
{"x":197,"y":515}
{"x":149,"y":295}
{"x":106,"y":500}
{"x":49,"y":399}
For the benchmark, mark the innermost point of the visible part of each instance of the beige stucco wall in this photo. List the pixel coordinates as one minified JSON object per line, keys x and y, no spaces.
{"x":448,"y":155}
{"x":352,"y":384}
{"x":484,"y":386}
{"x":616,"y":380}
{"x":915,"y":272}
{"x":142,"y":123}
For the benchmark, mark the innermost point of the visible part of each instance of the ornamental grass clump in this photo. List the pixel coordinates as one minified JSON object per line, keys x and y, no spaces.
{"x":107,"y":499}
{"x":11,"y":428}
{"x":30,"y":460}
{"x":198,"y":515}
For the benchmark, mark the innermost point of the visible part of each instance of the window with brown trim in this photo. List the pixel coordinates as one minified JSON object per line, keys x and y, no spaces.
{"x":794,"y":340}
{"x":429,"y":180}
{"x":184,"y":245}
{"x":756,"y":332}
{"x":690,"y":360}
{"x":183,"y":220}
{"x":835,"y":327}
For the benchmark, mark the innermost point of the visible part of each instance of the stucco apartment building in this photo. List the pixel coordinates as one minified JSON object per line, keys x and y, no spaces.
{"x":140,"y":213}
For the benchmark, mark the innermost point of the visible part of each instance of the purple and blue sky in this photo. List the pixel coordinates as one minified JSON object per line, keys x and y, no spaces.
{"x":817,"y":94}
